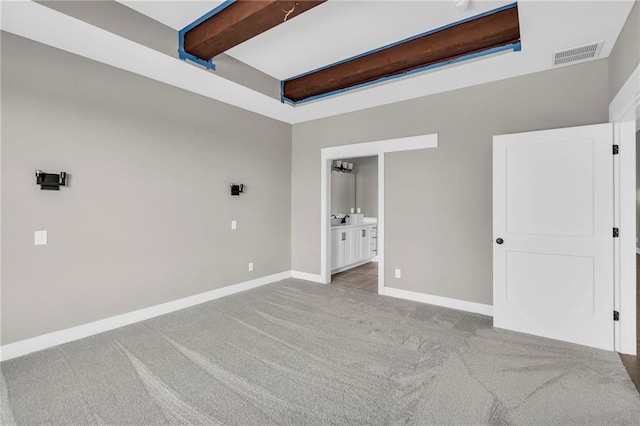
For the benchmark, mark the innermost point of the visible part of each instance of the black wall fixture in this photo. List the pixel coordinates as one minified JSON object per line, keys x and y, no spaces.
{"x":237,"y":189}
{"x":51,"y":181}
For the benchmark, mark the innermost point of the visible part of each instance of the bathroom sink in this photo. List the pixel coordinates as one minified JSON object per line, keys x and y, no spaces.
{"x":336,"y":222}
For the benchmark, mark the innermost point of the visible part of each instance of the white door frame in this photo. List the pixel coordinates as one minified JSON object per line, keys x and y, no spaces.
{"x":366,"y":149}
{"x":624,"y":112}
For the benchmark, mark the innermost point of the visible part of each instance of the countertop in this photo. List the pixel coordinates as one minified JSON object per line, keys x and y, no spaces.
{"x":351,"y":225}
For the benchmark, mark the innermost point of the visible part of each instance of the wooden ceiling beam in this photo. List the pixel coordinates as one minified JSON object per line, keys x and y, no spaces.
{"x":481,"y":34}
{"x":239,"y":22}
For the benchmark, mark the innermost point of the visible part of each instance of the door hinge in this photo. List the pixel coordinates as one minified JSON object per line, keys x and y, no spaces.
{"x":616,"y":232}
{"x":616,"y":316}
{"x":616,"y":149}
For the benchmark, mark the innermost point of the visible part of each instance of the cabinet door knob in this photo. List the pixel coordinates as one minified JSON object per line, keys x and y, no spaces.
{"x":499,"y":241}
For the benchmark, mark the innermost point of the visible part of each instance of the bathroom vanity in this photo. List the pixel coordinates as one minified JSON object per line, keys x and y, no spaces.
{"x":352,"y":245}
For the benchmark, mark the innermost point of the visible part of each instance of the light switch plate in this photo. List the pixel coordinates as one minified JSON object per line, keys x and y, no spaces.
{"x":250,"y":266}
{"x":234,"y":224}
{"x":398,"y":273}
{"x":40,"y":238}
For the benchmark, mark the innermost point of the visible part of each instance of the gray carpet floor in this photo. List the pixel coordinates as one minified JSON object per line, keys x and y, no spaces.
{"x":298,"y":353}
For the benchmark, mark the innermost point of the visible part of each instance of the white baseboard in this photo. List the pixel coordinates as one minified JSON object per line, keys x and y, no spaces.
{"x":24,"y":347}
{"x":307,"y":276}
{"x":462,"y":305}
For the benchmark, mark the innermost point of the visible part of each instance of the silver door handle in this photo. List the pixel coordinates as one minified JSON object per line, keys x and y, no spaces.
{"x":364,"y":232}
{"x":344,"y":236}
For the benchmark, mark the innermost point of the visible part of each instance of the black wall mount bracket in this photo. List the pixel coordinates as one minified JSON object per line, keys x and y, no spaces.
{"x":51,"y":181}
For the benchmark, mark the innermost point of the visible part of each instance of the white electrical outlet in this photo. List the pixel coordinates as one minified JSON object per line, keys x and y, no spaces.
{"x":250,"y":266}
{"x":234,"y":224}
{"x":398,"y":273}
{"x":40,"y":238}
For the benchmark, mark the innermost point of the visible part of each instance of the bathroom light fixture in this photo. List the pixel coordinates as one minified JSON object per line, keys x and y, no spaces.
{"x":342,"y":166}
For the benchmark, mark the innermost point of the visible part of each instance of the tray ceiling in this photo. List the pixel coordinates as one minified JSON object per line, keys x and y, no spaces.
{"x":328,"y":33}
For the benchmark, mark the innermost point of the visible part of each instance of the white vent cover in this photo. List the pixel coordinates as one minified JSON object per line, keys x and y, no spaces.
{"x":576,"y":54}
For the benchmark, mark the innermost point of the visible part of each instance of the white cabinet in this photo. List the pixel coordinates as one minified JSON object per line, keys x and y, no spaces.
{"x":341,"y":247}
{"x":352,"y":244}
{"x":335,"y":249}
{"x":362,"y":242}
{"x":373,"y":241}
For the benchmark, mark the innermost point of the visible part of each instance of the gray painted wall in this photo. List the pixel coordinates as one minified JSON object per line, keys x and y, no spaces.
{"x":367,"y":185}
{"x":625,"y":55}
{"x":638,"y":190}
{"x":146,"y":217}
{"x":438,"y":201}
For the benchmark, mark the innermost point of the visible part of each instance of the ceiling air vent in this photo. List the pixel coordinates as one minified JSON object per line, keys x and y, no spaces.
{"x":577,"y":54}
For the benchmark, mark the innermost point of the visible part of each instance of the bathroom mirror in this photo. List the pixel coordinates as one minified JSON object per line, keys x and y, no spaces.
{"x":358,"y":189}
{"x":343,"y":192}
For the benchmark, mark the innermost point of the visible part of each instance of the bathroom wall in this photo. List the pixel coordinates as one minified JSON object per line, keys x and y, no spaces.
{"x":367,"y":185}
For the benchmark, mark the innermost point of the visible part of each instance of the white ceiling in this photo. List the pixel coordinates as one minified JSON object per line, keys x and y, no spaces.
{"x":174,"y":14}
{"x":327,"y":33}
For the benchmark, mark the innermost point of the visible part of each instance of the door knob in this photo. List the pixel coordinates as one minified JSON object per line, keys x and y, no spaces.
{"x":499,"y":241}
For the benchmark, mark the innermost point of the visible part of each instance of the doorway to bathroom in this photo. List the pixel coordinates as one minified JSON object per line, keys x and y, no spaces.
{"x":354,"y":223}
{"x":378,"y":149}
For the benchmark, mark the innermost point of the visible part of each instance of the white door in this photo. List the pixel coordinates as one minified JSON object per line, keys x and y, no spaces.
{"x":552,"y":231}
